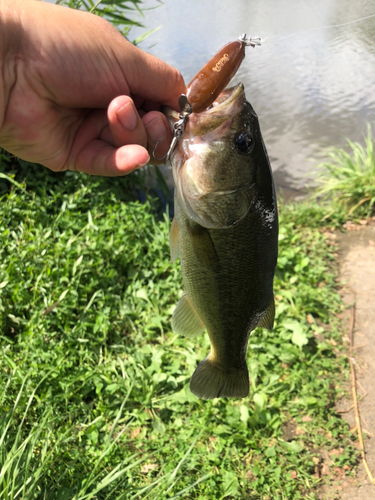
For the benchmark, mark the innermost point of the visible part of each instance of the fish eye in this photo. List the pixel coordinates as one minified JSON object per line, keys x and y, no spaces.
{"x":244,"y":143}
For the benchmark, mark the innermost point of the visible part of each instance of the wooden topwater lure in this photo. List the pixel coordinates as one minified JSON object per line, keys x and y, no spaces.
{"x":209,"y":82}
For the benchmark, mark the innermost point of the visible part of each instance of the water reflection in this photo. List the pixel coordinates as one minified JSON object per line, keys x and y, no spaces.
{"x":310,"y":91}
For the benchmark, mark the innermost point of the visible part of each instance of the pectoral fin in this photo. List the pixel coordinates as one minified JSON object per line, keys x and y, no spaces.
{"x":204,"y":249}
{"x":185,"y":320}
{"x":268,"y":318}
{"x":173,"y":240}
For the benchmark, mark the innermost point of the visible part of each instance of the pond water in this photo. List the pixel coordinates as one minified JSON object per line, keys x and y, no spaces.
{"x":310,"y":90}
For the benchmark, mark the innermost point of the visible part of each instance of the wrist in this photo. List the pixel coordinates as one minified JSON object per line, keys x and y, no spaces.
{"x":10,"y":14}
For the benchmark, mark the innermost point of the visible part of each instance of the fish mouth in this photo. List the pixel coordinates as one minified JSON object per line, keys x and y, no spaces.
{"x":220,"y":114}
{"x":227,"y":103}
{"x":226,"y":99}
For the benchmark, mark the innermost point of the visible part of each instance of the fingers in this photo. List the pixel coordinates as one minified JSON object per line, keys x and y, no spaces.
{"x":100,"y":158}
{"x":116,"y":144}
{"x":125,"y":124}
{"x":159,"y":136}
{"x":92,"y":154}
{"x":127,"y":127}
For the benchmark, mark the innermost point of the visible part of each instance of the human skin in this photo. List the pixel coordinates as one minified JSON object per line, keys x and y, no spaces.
{"x":76,"y":95}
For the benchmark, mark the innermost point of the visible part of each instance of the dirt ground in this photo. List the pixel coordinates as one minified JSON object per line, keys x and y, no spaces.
{"x":356,"y":253}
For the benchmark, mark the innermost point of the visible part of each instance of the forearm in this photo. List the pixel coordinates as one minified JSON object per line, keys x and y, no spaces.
{"x":10,"y":39}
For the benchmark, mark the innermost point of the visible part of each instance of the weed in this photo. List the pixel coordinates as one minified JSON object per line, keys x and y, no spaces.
{"x":113,"y":11}
{"x":348,"y":177}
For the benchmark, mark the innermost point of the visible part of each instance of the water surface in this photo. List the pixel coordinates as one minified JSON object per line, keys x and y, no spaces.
{"x":310,"y":90}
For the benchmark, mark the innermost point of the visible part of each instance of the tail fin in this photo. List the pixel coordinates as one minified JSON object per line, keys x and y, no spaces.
{"x":209,"y":381}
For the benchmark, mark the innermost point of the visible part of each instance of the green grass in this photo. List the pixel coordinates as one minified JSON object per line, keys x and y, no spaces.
{"x":348,"y":177}
{"x":94,"y":397}
{"x":114,"y":11}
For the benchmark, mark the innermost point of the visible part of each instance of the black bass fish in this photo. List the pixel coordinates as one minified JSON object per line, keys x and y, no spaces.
{"x":225,"y":231}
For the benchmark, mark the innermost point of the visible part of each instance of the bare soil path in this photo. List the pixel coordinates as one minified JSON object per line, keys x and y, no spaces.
{"x":357,"y":258}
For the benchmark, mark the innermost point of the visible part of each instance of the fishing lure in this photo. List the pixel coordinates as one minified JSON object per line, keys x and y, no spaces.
{"x":209,"y":82}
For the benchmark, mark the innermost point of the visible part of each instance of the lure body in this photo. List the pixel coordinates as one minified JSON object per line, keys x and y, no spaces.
{"x":212,"y":79}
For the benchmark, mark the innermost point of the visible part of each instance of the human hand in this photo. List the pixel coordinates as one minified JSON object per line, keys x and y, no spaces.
{"x":78,"y":95}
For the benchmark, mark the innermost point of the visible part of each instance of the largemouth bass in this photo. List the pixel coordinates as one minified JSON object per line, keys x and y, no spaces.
{"x":225,"y":231}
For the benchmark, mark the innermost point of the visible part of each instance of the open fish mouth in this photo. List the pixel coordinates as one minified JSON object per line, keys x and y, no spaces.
{"x":227,"y":103}
{"x":221,"y":112}
{"x":226,"y":98}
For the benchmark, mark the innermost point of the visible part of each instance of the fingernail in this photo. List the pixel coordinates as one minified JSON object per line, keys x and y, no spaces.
{"x":156,"y":130}
{"x":140,"y":165}
{"x":127,"y":115}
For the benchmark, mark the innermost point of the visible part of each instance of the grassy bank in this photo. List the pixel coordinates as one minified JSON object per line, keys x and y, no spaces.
{"x":94,"y":398}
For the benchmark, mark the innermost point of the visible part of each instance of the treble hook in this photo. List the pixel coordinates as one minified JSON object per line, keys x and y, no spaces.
{"x":178,"y":127}
{"x":154,"y":155}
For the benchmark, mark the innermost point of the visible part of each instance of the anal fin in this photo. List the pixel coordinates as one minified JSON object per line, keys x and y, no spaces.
{"x":268,"y":318}
{"x":185,"y":319}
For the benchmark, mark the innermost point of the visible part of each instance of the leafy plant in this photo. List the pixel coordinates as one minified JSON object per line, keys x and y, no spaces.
{"x":114,"y":12}
{"x":348,"y":177}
